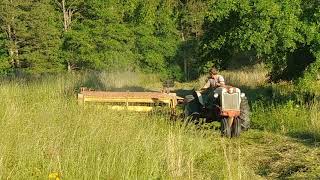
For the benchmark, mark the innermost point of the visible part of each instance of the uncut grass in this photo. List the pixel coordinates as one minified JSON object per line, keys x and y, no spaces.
{"x":290,"y":118}
{"x":250,"y":77}
{"x":44,"y":130}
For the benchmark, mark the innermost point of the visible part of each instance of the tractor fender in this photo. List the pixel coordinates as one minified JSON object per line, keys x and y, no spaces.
{"x":200,"y":97}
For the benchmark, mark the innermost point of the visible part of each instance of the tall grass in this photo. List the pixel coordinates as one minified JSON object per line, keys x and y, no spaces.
{"x":290,"y":118}
{"x":44,"y":130}
{"x":250,"y":76}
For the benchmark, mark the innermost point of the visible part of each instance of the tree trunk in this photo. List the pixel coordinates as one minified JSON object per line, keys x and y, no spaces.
{"x":16,"y":55}
{"x":64,"y":11}
{"x":69,"y":66}
{"x":11,"y":54}
{"x":67,"y":16}
{"x":67,"y":19}
{"x":13,"y":50}
{"x":10,"y":48}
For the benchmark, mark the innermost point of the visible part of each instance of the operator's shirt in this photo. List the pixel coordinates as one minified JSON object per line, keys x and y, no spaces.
{"x":212,"y":82}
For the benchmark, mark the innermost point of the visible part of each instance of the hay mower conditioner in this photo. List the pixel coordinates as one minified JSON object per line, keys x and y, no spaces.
{"x":133,"y":101}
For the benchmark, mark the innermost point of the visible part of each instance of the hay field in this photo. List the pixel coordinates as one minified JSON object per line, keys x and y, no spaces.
{"x":44,"y":133}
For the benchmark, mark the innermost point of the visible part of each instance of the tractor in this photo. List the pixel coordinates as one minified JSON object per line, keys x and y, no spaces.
{"x":226,"y":104}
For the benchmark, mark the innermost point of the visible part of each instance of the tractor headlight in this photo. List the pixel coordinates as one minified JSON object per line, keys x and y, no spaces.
{"x":215,"y":95}
{"x":242,"y":95}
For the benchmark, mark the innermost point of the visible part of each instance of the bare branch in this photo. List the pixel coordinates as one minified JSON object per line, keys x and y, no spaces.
{"x":59,"y":4}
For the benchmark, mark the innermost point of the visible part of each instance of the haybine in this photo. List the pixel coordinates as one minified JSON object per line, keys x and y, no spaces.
{"x":225,"y":104}
{"x":134,"y":101}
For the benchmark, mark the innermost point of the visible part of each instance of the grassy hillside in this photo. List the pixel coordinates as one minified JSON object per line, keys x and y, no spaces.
{"x":44,"y":130}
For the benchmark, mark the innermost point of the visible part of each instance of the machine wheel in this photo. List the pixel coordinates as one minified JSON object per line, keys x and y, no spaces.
{"x":225,"y":128}
{"x":244,"y":114}
{"x":236,"y":127}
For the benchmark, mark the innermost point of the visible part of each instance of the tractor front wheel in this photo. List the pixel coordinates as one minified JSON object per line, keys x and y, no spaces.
{"x":236,"y":127}
{"x":225,"y":128}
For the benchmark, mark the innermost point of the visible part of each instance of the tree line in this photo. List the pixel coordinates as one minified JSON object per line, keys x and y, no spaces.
{"x":175,"y":38}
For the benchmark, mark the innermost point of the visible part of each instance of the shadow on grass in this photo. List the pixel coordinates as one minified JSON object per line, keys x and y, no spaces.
{"x":311,"y":139}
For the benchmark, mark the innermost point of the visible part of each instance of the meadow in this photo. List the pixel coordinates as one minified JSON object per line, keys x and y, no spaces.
{"x":44,"y":131}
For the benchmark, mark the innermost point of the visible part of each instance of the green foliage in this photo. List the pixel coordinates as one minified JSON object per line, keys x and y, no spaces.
{"x":4,"y":65}
{"x":206,"y":68}
{"x":273,"y":29}
{"x":157,"y":36}
{"x":41,"y":53}
{"x":117,"y":35}
{"x":123,"y":36}
{"x":32,"y":37}
{"x":173,"y":38}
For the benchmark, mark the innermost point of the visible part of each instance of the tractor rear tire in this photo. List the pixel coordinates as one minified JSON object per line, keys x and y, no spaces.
{"x":236,"y":127}
{"x":244,"y":114}
{"x":225,"y":128}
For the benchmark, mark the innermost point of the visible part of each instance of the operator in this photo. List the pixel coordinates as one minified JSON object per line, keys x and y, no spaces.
{"x":205,"y":95}
{"x":215,"y":80}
